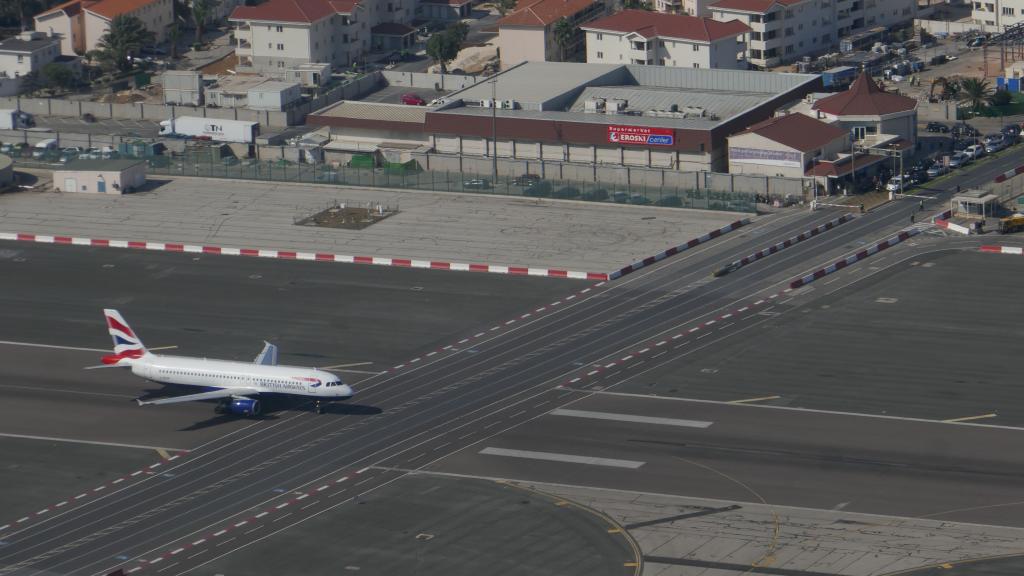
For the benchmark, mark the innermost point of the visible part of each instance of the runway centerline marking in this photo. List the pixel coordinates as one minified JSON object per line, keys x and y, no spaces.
{"x":758,"y":399}
{"x":566,"y":458}
{"x":970,"y":418}
{"x":53,"y":346}
{"x":630,"y":418}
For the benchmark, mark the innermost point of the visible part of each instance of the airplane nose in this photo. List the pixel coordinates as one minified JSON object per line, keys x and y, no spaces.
{"x":346,"y":391}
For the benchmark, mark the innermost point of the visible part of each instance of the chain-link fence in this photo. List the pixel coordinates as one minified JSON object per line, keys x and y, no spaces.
{"x":205,"y":163}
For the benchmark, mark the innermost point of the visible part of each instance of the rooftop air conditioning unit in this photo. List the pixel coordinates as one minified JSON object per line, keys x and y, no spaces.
{"x":617,"y":106}
{"x":487,"y":103}
{"x":593,"y":105}
{"x":694,"y":111}
{"x":509,"y":104}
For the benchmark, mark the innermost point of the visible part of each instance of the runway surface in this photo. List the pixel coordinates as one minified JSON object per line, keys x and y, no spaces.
{"x":468,"y":391}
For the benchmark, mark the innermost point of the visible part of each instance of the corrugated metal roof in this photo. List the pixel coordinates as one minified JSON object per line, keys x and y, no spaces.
{"x":376,"y":111}
{"x":615,"y":119}
{"x":646,"y":98}
{"x":535,"y":83}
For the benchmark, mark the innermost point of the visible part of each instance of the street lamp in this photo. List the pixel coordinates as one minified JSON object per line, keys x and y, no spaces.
{"x":494,"y":131}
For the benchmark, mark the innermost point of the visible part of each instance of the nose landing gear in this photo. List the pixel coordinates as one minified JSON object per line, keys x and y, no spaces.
{"x":321,"y":407}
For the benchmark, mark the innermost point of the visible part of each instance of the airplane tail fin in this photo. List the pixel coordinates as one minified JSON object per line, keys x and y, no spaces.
{"x":126,"y":344}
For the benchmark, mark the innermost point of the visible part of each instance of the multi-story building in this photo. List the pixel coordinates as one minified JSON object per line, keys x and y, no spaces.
{"x":687,"y":7}
{"x":279,"y":35}
{"x":81,"y":23}
{"x":783,"y":31}
{"x":642,"y":37}
{"x":22,"y":55}
{"x":528,"y":33}
{"x":1000,"y":13}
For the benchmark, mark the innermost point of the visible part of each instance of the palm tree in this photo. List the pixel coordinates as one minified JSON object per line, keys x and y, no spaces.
{"x":201,"y":10}
{"x":126,"y":36}
{"x":975,"y":92}
{"x":565,"y":35}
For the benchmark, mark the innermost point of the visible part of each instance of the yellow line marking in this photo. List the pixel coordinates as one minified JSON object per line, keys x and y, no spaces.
{"x":162,"y":348}
{"x":630,"y":564}
{"x":345,"y":365}
{"x":969,"y":418}
{"x":163,"y":453}
{"x":614,"y":530}
{"x":759,"y":399}
{"x":947,"y":566}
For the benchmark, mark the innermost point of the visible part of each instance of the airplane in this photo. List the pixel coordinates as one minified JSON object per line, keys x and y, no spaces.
{"x":237,"y":385}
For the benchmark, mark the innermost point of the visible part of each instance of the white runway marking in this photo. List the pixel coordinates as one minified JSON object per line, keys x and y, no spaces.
{"x":631,"y":418}
{"x":93,"y":442}
{"x":555,"y":457}
{"x":53,"y":346}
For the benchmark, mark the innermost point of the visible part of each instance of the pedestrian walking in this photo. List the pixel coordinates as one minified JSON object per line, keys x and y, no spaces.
{"x":957,"y":188}
{"x":911,"y":218}
{"x":922,"y":205}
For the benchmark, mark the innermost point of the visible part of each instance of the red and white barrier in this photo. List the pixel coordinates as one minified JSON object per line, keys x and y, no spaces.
{"x":1009,"y":174}
{"x":790,"y":242}
{"x":942,"y":216}
{"x":836,"y":266}
{"x":296,"y":255}
{"x":947,"y":225}
{"x":677,"y":249}
{"x":1003,"y":250}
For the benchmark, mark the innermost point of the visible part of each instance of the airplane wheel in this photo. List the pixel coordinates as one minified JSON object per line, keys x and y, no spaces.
{"x":320,"y":409}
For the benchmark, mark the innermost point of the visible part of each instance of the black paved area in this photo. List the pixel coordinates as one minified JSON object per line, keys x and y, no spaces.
{"x":36,"y":474}
{"x":1009,"y":566}
{"x":423,"y":525}
{"x":885,"y":466}
{"x":933,"y":337}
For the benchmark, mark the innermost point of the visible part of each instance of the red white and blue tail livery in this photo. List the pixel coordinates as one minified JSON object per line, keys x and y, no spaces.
{"x":237,"y":385}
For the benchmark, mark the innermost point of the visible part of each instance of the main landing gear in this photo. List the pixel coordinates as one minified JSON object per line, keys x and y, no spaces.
{"x":321,"y":407}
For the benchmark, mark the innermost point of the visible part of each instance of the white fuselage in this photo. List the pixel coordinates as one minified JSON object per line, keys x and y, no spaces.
{"x":227,"y":374}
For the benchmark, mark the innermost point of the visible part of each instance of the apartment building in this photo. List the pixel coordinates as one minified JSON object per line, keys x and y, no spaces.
{"x":279,"y":35}
{"x":642,"y":37}
{"x":81,"y":23}
{"x":1001,"y":13}
{"x":24,"y":54}
{"x":687,"y":7}
{"x":528,"y":33}
{"x":783,"y":31}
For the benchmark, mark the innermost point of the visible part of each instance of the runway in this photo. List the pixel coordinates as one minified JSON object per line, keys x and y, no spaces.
{"x":240,"y":489}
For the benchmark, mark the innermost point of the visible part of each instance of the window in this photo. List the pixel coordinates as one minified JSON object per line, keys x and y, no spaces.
{"x":696,"y":47}
{"x":21,"y":59}
{"x":391,"y":7}
{"x":600,"y":55}
{"x":789,"y":49}
{"x":1007,"y":11}
{"x":789,"y":32}
{"x":696,"y":65}
{"x":280,"y":46}
{"x":280,"y":28}
{"x":600,"y":36}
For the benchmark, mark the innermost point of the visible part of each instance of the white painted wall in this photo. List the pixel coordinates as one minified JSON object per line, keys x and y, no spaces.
{"x":616,"y":48}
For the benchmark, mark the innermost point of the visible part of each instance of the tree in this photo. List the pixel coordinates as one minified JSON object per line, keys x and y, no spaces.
{"x":565,"y":35}
{"x":443,"y":47}
{"x":30,"y":83}
{"x":505,"y":6}
{"x":975,"y":92}
{"x":21,"y":11}
{"x":201,"y":10}
{"x":56,"y":75}
{"x":637,"y":5}
{"x":1000,"y":98}
{"x":173,"y":34}
{"x":127,"y":35}
{"x":460,"y":31}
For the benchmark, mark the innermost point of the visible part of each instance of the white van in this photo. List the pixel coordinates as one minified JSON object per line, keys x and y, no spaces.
{"x":44,"y":147}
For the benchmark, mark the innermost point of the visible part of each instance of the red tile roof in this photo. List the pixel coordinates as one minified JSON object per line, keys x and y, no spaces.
{"x":757,"y":6}
{"x":305,"y":11}
{"x":112,"y":8}
{"x":654,"y":24}
{"x":544,"y":12}
{"x":865,"y":98}
{"x":70,"y":8}
{"x":798,"y":131}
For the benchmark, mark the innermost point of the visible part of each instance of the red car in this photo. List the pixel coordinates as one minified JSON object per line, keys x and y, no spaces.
{"x":413,"y":100}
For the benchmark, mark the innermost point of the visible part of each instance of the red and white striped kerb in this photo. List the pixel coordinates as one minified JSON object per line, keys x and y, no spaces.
{"x":1003,"y":250}
{"x":677,"y":249}
{"x":836,"y":266}
{"x":297,"y":255}
{"x":794,"y":240}
{"x":1009,"y":174}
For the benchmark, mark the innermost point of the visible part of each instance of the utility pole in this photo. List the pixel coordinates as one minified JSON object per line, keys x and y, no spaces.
{"x":494,"y":131}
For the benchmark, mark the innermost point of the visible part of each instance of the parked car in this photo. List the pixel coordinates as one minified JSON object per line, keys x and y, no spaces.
{"x":91,"y":154}
{"x":937,"y":127}
{"x":937,"y":169}
{"x":976,"y":42}
{"x":1012,"y":131}
{"x":539,"y":189}
{"x":413,"y":99}
{"x":152,"y":50}
{"x":76,"y":150}
{"x":596,"y":194}
{"x":525,"y":180}
{"x":896,"y":184}
{"x":620,"y":197}
{"x":88,"y":117}
{"x":975,"y":151}
{"x":996,"y":145}
{"x":639,"y":199}
{"x":990,"y":138}
{"x":673,"y":201}
{"x":108,"y":152}
{"x":477,"y":184}
{"x":961,"y":145}
{"x":965,"y":130}
{"x":917,"y":176}
{"x":959,"y":160}
{"x":567,"y":192}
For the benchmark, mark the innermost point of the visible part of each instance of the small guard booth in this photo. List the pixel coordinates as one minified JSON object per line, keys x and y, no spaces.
{"x":113,"y":176}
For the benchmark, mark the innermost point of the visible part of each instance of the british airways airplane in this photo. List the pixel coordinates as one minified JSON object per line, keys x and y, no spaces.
{"x":236,"y":384}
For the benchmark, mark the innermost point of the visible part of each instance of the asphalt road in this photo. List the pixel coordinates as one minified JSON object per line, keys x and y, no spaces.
{"x":731,"y":452}
{"x":497,"y":379}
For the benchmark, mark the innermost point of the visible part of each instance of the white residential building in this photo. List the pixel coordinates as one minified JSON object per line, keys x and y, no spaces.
{"x":279,"y":35}
{"x":785,"y":30}
{"x":528,"y":33}
{"x":1000,"y":13}
{"x":81,"y":23}
{"x":687,"y":7}
{"x":642,"y":37}
{"x":25,"y":53}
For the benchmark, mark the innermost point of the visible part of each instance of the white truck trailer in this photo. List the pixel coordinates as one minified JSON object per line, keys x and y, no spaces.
{"x":211,"y":128}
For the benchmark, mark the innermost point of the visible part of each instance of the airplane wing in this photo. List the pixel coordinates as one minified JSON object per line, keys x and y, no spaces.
{"x":268,"y":357}
{"x":223,"y":393}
